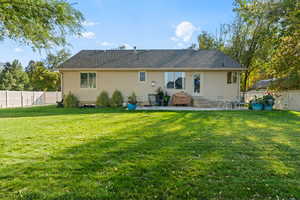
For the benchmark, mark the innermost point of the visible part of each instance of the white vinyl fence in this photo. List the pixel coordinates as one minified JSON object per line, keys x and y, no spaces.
{"x":286,"y":100}
{"x":12,"y":99}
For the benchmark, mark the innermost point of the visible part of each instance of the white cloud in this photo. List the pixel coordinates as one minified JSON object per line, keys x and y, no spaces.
{"x":18,"y":50}
{"x":88,"y":35}
{"x":114,"y":45}
{"x":105,"y":44}
{"x":89,"y":23}
{"x":183,"y":33}
{"x":127,"y":46}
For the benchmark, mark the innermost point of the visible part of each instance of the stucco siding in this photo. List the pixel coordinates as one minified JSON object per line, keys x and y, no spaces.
{"x":213,"y":84}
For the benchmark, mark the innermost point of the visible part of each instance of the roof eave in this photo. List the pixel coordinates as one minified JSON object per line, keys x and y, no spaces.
{"x":154,"y":69}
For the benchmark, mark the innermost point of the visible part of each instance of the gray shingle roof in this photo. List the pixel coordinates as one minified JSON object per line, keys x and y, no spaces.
{"x":179,"y":58}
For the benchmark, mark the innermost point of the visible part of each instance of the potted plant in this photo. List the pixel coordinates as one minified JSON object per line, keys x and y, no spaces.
{"x":159,"y":96}
{"x":132,"y":101}
{"x":166,"y":99}
{"x":269,"y":101}
{"x":256,"y":104}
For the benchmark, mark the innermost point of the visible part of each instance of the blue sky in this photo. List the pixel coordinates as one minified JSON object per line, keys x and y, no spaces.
{"x":146,"y":24}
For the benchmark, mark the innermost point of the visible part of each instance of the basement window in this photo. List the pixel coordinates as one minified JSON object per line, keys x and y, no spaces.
{"x":88,"y":80}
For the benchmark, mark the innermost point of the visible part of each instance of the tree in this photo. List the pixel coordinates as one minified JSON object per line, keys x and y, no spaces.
{"x":264,"y":38}
{"x":38,"y":23}
{"x":41,"y":78}
{"x":29,"y":69}
{"x":285,"y":60}
{"x":206,"y":41}
{"x":192,"y":46}
{"x":252,"y":36}
{"x":12,"y":77}
{"x":214,"y":41}
{"x":53,"y":61}
{"x":286,"y":63}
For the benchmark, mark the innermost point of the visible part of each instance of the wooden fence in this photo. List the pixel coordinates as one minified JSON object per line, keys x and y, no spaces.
{"x":12,"y":99}
{"x":286,"y":100}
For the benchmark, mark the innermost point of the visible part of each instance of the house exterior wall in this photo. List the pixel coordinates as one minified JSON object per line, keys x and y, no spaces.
{"x":213,"y":84}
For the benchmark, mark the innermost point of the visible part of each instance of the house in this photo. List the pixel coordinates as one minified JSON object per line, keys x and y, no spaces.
{"x":205,"y":74}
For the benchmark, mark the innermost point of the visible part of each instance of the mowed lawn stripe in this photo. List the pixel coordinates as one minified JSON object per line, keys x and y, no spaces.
{"x":50,"y":153}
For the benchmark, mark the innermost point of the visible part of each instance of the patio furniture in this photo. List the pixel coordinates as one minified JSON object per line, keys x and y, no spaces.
{"x":181,"y":98}
{"x":225,"y":103}
{"x":60,"y":104}
{"x":152,"y":98}
{"x":238,"y":102}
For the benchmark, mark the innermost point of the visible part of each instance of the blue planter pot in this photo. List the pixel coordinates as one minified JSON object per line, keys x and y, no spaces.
{"x":268,"y":107}
{"x":257,"y":106}
{"x":131,"y":106}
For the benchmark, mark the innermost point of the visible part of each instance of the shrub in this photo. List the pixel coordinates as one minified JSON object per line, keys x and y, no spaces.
{"x":71,"y":101}
{"x":132,"y":99}
{"x":103,"y":99}
{"x":269,"y":100}
{"x":117,"y":99}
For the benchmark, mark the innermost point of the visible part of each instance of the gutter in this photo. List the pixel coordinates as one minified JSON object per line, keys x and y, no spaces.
{"x":152,"y":69}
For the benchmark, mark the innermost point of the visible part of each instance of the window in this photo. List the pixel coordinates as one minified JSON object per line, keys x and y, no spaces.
{"x":174,"y":80}
{"x":142,"y":76}
{"x":88,"y":80}
{"x":229,"y":77}
{"x":232,"y":77}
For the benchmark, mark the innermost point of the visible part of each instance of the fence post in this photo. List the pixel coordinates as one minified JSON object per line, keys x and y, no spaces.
{"x":288,"y":97}
{"x":6,"y":99}
{"x":32,"y":97}
{"x":22,"y":103}
{"x":44,"y":99}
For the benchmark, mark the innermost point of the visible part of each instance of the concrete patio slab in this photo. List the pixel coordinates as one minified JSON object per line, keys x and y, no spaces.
{"x":184,"y":108}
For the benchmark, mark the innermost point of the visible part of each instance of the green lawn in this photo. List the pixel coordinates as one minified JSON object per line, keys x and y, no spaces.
{"x":50,"y":153}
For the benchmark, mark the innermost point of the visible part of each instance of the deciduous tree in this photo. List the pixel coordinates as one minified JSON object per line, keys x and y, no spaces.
{"x":38,"y":23}
{"x":53,"y":61}
{"x":12,"y":77}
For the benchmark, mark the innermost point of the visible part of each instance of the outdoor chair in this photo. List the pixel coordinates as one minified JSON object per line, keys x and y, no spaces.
{"x":239,"y":102}
{"x":60,"y":104}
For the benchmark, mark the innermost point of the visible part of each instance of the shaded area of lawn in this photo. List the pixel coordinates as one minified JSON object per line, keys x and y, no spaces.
{"x":115,"y":154}
{"x":40,"y":111}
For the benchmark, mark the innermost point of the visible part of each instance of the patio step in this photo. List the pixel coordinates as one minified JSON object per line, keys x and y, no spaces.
{"x":201,"y":102}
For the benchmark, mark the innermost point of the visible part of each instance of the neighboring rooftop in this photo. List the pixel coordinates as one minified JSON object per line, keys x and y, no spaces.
{"x":179,"y":58}
{"x":263,"y":84}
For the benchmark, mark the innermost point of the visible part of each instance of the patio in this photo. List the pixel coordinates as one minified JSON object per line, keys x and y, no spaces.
{"x":186,"y":108}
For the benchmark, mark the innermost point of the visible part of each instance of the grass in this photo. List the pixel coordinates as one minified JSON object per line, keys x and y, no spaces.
{"x":50,"y":153}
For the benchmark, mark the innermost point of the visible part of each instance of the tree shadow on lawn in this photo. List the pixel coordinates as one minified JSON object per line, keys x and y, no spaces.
{"x":176,"y":156}
{"x":41,"y":111}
